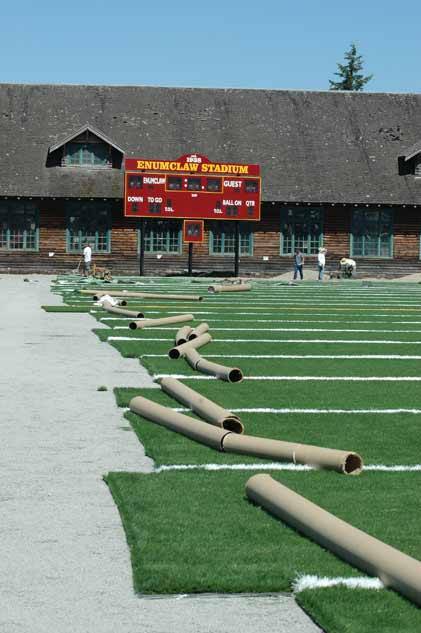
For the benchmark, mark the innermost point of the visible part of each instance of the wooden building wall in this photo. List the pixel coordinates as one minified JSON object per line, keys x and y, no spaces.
{"x":124,"y":257}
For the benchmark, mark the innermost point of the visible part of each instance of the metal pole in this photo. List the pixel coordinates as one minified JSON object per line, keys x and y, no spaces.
{"x":142,"y":247}
{"x":190,"y":263}
{"x":237,"y":248}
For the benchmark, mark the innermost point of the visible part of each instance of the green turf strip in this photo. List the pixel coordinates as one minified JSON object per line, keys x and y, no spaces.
{"x":216,"y":322}
{"x":296,"y":367}
{"x":373,"y":436}
{"x":196,"y":532}
{"x":64,"y":308}
{"x":137,"y":348}
{"x":342,"y":610}
{"x":310,"y":394}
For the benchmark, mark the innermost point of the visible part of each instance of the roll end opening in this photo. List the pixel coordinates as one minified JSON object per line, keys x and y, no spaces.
{"x":133,"y":325}
{"x":174,"y":353}
{"x":234,"y":425}
{"x":140,"y":315}
{"x":353,"y":464}
{"x":235,"y":375}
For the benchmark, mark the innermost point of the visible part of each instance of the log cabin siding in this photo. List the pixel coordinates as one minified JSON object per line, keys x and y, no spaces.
{"x":124,"y":256}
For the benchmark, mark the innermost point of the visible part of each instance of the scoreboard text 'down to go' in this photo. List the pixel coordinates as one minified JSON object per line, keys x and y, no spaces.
{"x":191,"y":187}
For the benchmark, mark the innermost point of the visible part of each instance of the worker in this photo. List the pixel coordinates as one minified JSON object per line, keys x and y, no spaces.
{"x":348,"y":266}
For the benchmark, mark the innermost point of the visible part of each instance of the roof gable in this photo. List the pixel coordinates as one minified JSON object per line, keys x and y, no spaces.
{"x":85,"y":128}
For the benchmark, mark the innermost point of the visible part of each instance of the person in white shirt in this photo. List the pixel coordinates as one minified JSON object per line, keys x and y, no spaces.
{"x":348,"y":266}
{"x":87,"y":259}
{"x":321,"y":261}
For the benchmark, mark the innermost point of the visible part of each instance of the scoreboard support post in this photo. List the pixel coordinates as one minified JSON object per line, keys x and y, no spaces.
{"x":142,"y":247}
{"x":237,"y":249}
{"x":190,"y":260}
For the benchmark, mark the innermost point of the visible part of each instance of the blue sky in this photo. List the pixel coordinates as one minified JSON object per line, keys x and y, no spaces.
{"x":260,"y":44}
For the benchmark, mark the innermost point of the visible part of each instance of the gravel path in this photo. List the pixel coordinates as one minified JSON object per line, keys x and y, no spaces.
{"x":64,"y":560}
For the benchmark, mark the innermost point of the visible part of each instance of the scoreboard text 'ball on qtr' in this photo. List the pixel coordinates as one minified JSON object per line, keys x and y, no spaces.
{"x":191,"y":187}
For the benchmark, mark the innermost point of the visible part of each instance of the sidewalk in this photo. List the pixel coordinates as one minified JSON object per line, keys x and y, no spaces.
{"x":65,"y":564}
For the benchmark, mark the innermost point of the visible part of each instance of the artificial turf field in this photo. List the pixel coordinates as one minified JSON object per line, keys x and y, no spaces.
{"x":336,"y":365}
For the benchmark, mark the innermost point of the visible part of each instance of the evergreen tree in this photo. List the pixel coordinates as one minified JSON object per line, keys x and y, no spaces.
{"x":350,"y":76}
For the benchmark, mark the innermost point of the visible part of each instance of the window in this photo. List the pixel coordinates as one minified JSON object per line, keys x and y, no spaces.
{"x":162,"y":236}
{"x":19,"y":229}
{"x":86,"y":155}
{"x":222,"y":239}
{"x":88,"y":222}
{"x":372,"y":233}
{"x":417,"y":167}
{"x":301,"y":227}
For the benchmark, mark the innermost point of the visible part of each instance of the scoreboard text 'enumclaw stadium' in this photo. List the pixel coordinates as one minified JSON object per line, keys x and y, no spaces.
{"x":191,"y":187}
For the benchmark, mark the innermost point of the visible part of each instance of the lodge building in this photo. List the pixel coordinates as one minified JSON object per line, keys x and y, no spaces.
{"x":339,"y":169}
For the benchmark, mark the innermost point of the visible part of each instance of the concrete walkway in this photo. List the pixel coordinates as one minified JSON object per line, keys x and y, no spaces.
{"x":65,"y":564}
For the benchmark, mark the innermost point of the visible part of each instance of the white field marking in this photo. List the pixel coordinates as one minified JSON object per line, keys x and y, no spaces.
{"x":138,"y":339}
{"x":269,"y":466}
{"x":313,"y":411}
{"x":304,"y":378}
{"x":341,"y":321}
{"x":305,"y":356}
{"x":308,"y":581}
{"x":278,"y":329}
{"x":279,"y":466}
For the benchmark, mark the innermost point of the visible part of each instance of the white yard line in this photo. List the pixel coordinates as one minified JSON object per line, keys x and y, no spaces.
{"x":304,"y":378}
{"x":280,"y":329}
{"x":279,"y":466}
{"x":138,"y":339}
{"x":305,"y":356}
{"x":307,"y":581}
{"x":285,"y":410}
{"x":281,"y":320}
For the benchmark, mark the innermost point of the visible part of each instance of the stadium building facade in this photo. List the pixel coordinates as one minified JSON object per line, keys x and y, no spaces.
{"x":339,"y":169}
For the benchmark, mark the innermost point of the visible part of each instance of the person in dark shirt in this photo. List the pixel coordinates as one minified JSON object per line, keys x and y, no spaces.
{"x":298,"y":263}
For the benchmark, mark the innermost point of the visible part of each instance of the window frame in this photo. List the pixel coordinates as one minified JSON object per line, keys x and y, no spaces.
{"x":391,"y":235}
{"x":249,"y":232}
{"x":282,"y":240}
{"x":151,"y":250}
{"x":85,"y":237}
{"x":31,"y":249}
{"x":106,"y":164}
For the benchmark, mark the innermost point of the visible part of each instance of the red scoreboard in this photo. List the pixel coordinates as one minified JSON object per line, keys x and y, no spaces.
{"x":191,"y":187}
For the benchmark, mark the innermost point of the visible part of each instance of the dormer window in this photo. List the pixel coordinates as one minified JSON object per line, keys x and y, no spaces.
{"x":82,"y":154}
{"x":86,"y":148}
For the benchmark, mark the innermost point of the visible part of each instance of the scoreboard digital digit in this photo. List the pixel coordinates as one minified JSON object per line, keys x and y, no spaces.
{"x":191,"y":187}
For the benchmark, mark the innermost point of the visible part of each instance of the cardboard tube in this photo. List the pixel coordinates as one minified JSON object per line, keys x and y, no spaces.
{"x":192,"y":357}
{"x":180,"y":350}
{"x":204,"y":408}
{"x":179,"y":318}
{"x":230,"y":288}
{"x":329,"y":458}
{"x":114,"y":310}
{"x":230,"y":374}
{"x":182,"y":335}
{"x":194,"y":429}
{"x":197,"y":331}
{"x":142,"y":295}
{"x":394,"y":568}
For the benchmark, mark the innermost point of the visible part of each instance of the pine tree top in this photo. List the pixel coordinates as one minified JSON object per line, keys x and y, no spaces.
{"x":350,"y":76}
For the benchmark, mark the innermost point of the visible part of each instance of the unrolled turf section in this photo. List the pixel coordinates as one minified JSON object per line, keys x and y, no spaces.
{"x":193,"y":530}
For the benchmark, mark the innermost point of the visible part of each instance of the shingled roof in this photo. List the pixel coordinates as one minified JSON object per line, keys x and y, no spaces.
{"x":334,"y":147}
